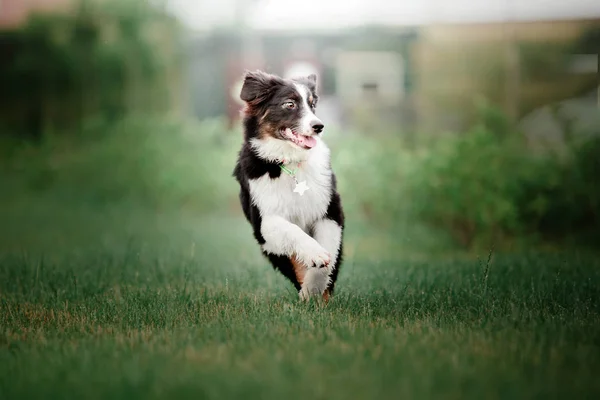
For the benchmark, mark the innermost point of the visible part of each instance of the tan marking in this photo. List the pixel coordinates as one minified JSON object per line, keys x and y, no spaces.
{"x":264,"y":116}
{"x":299,"y":269}
{"x":326,"y":295}
{"x":267,"y":130}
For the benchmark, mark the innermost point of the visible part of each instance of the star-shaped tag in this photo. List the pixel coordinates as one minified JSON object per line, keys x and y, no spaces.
{"x":301,"y":188}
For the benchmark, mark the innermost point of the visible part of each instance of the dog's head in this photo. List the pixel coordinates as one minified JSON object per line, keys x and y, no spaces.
{"x":284,"y":109}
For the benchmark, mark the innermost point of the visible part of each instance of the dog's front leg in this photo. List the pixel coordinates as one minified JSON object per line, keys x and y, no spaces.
{"x":328,"y":234}
{"x":285,"y":238}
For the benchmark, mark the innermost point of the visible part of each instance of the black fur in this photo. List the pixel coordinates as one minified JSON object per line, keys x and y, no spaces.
{"x":336,"y":213}
{"x":263,"y":93}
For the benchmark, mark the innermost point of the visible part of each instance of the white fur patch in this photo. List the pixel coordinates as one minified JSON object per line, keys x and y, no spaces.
{"x":308,"y":116}
{"x":277,"y":150}
{"x":276,"y":197}
{"x":329,"y":235}
{"x":284,"y":238}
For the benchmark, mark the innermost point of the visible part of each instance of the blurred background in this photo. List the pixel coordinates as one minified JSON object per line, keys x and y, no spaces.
{"x":454,"y":126}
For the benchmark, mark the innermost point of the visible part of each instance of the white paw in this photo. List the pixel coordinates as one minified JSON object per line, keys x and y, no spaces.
{"x":307,"y":293}
{"x":315,"y":283}
{"x":304,"y":295}
{"x":313,"y":255}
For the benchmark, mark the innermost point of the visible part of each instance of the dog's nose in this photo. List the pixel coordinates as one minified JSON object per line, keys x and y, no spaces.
{"x":317,"y":126}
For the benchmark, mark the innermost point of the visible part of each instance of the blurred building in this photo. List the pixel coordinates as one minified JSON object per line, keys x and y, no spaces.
{"x":392,"y":79}
{"x":382,"y":66}
{"x":362,"y":73}
{"x":520,"y":66}
{"x":406,"y":66}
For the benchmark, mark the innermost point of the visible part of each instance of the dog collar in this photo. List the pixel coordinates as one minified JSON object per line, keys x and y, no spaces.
{"x":288,"y":171}
{"x":301,"y":187}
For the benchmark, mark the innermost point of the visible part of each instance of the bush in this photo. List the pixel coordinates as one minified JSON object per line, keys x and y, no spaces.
{"x":486,"y":187}
{"x":470,"y":185}
{"x":483,"y":187}
{"x":104,"y":59}
{"x":572,"y":204}
{"x":151,"y":162}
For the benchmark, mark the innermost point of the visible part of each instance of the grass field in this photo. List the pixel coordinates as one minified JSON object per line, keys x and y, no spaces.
{"x":122,"y":304}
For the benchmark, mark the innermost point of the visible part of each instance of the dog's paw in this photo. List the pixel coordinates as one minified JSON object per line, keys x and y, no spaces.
{"x":313,"y":255}
{"x":307,"y":294}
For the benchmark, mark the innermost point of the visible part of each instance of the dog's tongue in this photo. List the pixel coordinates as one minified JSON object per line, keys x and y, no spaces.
{"x":301,"y":140}
{"x":307,"y":141}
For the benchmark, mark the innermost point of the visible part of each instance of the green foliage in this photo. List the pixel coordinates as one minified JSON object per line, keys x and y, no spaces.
{"x":102,"y":59}
{"x":469,"y":186}
{"x":573,"y":202}
{"x":153,"y":162}
{"x":543,"y":61}
{"x":485,"y":186}
{"x":481,"y":188}
{"x":589,"y":42}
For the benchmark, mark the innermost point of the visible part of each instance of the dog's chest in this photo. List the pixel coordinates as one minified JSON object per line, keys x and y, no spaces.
{"x":277,"y":197}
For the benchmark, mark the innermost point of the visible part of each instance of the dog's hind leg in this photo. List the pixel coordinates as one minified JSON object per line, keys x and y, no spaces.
{"x":299,"y":270}
{"x":287,"y":267}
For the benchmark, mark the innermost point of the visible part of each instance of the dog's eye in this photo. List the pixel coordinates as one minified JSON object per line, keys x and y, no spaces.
{"x":290,"y":105}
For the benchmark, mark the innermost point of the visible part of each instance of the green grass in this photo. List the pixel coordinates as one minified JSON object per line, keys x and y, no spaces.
{"x":126,"y":304}
{"x":128,"y":271}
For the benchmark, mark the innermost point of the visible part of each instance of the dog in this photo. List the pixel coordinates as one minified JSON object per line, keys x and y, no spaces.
{"x":288,"y":191}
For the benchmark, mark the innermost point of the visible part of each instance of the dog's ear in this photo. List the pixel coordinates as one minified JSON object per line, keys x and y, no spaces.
{"x":258,"y":86}
{"x":311,"y":82}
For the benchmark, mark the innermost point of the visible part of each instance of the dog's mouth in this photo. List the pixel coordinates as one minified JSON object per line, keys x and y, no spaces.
{"x":306,"y":142}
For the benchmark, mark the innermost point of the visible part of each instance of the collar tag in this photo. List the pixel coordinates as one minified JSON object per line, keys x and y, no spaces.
{"x":301,"y":187}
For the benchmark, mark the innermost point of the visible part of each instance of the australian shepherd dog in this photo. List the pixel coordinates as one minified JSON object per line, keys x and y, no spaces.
{"x":287,"y":187}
